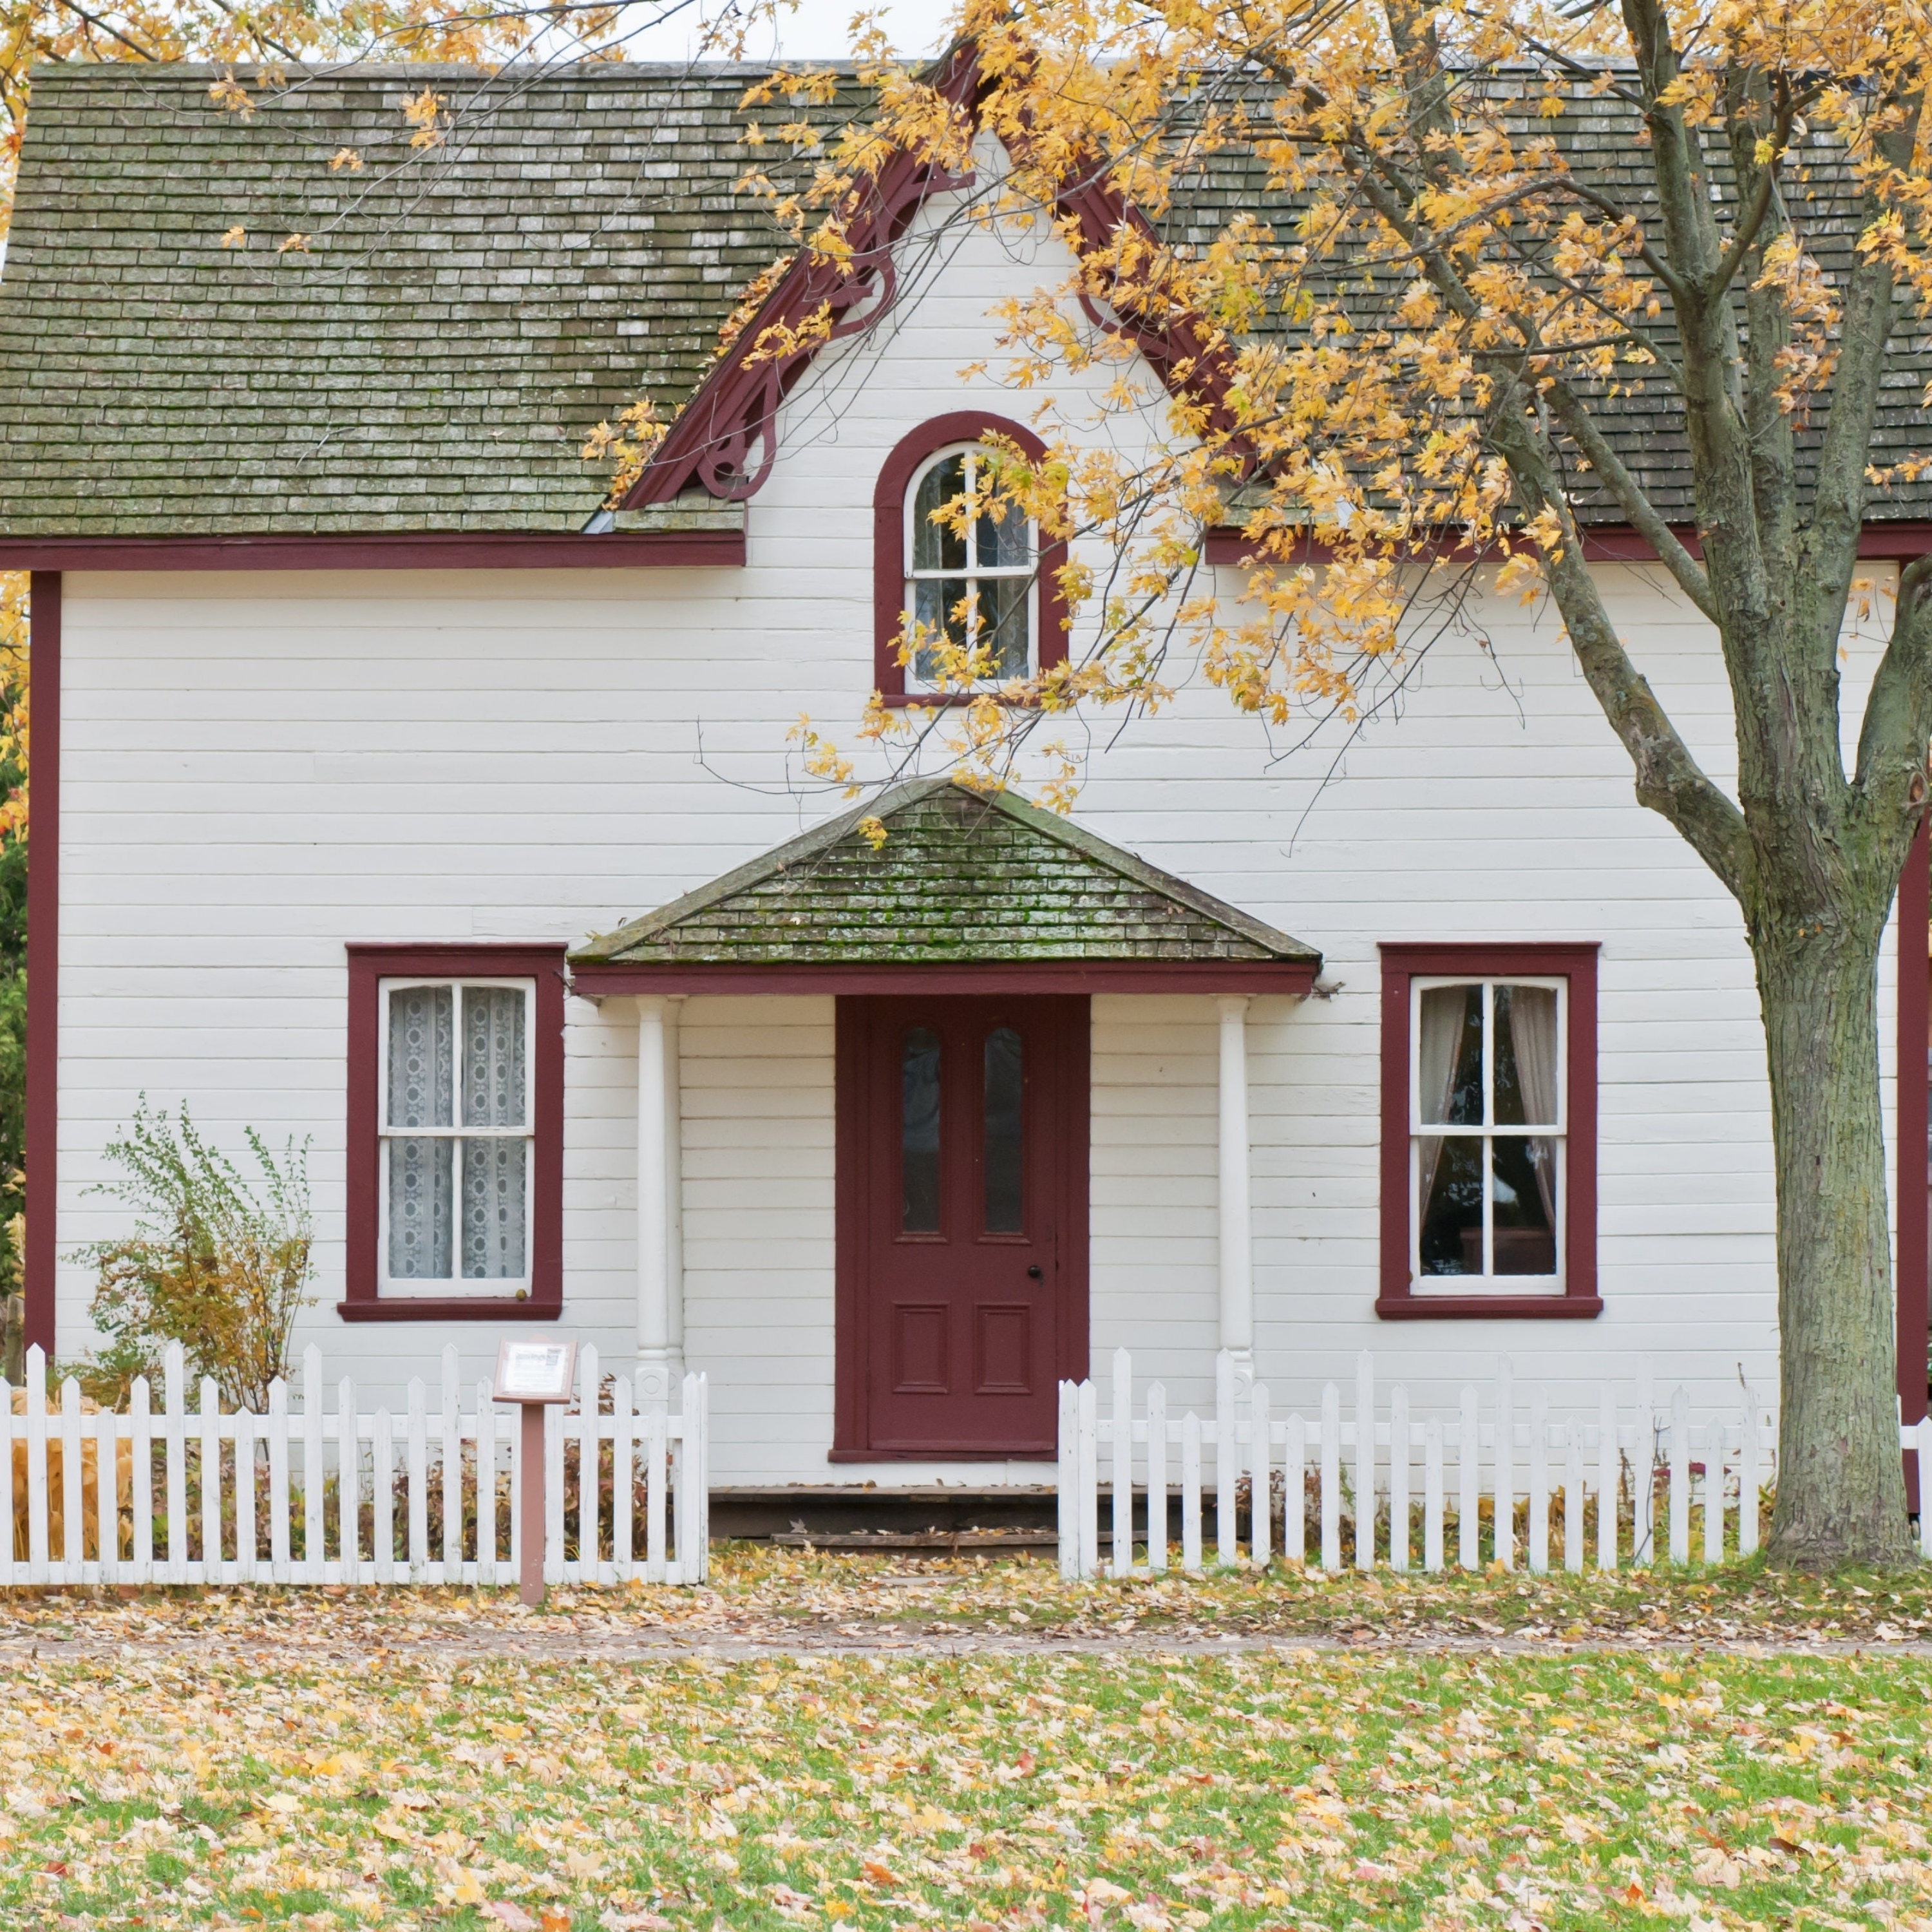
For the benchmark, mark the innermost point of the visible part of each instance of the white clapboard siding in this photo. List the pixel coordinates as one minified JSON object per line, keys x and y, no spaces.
{"x":331,"y":1495}
{"x":1509,"y":1445}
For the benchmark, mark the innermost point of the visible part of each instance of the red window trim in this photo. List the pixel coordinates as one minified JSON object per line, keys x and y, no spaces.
{"x":368,"y":966}
{"x":889,"y":549}
{"x":1401,"y":965}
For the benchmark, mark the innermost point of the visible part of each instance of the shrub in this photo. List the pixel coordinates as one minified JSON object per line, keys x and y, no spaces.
{"x":216,"y":1264}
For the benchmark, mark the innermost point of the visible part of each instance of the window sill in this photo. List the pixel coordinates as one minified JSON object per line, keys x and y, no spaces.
{"x":1468,"y":1307}
{"x":449,"y":1308}
{"x":944,"y":700}
{"x":1025,"y":1452}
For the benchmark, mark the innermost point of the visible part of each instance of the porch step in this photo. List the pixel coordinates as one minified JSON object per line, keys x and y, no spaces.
{"x":821,"y":1511}
{"x":955,"y":1541}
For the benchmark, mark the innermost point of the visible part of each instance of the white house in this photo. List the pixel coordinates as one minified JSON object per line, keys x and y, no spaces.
{"x":389,"y":796}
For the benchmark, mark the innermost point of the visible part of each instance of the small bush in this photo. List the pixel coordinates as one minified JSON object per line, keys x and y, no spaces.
{"x":216,"y":1264}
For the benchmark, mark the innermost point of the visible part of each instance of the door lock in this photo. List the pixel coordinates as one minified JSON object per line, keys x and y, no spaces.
{"x":1032,"y":1271}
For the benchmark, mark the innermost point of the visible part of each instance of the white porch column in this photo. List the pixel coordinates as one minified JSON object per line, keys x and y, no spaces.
{"x":1238,"y":1287}
{"x":660,"y":1231}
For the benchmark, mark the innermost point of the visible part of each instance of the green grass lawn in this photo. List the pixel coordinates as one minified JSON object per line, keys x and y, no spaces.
{"x":1379,"y":1788}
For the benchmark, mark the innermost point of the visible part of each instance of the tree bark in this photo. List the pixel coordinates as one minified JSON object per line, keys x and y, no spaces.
{"x":1841,"y":1484}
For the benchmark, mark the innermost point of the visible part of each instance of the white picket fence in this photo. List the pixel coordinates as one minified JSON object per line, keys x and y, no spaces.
{"x":335,"y":1495}
{"x":1509,"y":1450}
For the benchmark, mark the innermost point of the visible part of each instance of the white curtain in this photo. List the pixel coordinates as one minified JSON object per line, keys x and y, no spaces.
{"x":1438,"y":1049}
{"x":1532,"y":1011}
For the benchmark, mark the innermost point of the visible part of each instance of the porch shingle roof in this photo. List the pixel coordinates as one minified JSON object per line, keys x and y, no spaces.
{"x":961,"y":878}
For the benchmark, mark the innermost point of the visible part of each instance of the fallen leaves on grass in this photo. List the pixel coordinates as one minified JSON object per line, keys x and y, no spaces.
{"x":1269,"y":1792}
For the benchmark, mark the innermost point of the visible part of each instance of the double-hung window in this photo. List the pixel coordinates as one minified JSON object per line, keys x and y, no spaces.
{"x":456,"y":1136}
{"x":455,"y":1120}
{"x":1486,"y":1135}
{"x":1489,"y":1129}
{"x":969,"y":571}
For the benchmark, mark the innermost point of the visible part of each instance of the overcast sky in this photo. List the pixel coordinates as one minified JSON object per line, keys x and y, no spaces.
{"x":813,"y":29}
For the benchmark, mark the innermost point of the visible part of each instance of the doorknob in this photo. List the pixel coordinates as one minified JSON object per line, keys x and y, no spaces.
{"x":1032,"y":1271}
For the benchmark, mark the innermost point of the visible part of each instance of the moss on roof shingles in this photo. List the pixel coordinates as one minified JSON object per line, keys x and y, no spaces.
{"x":433,"y":361}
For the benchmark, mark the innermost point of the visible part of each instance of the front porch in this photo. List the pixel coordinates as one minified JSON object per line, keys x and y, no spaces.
{"x":922,"y":1124}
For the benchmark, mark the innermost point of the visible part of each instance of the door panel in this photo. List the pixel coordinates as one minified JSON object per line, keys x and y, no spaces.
{"x":963,"y":1142}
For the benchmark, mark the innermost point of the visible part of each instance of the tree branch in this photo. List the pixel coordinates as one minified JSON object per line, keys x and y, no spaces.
{"x":1574,"y":413}
{"x":1669,"y":780}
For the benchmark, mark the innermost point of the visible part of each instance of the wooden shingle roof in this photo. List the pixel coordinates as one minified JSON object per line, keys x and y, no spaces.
{"x":432,"y":358}
{"x":961,"y":878}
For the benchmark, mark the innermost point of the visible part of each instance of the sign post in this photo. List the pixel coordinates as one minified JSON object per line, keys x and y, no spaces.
{"x":533,"y":1374}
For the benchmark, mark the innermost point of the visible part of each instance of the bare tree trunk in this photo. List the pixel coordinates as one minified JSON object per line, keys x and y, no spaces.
{"x":1840,"y":1486}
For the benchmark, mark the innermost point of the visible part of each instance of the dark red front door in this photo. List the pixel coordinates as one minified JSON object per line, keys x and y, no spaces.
{"x":962,"y":1221}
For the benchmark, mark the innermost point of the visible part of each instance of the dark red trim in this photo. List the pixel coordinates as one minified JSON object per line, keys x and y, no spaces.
{"x":723,"y":439}
{"x":889,"y":557}
{"x":1915,"y":995}
{"x":370,"y":964}
{"x":1577,"y":963}
{"x":456,"y":550}
{"x":43,"y":1100}
{"x":599,"y":982}
{"x":1618,"y":543}
{"x":855,"y":1173}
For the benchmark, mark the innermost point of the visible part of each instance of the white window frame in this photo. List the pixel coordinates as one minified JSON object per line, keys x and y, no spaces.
{"x":1489,"y":1282}
{"x":507,"y":1287}
{"x":971,"y":572}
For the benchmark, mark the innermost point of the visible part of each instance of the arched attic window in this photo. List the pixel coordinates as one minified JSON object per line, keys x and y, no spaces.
{"x":993,"y":584}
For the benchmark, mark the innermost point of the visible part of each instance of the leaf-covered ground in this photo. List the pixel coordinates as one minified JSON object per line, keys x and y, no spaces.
{"x":1278,"y":1789}
{"x":761,"y":1596}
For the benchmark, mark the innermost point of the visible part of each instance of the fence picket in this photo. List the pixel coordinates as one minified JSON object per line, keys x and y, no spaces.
{"x":1066,"y":1487}
{"x":315,"y":1504}
{"x":654,"y":1495}
{"x":382,"y":1464}
{"x":245,"y":1551}
{"x":73,"y":1527}
{"x":589,"y":1457}
{"x":623,"y":1476}
{"x":1680,"y":1477}
{"x":1643,"y":1476}
{"x":1122,"y":1505}
{"x":174,"y":1389}
{"x":1505,"y":1482}
{"x":141,"y":1480}
{"x":1331,"y":1478}
{"x":1609,"y":1466}
{"x":107,"y":1494}
{"x":211,"y":1481}
{"x":278,"y":1481}
{"x":1156,"y":1478}
{"x":1714,"y":1492}
{"x":1365,"y":1461}
{"x":1573,"y":1497}
{"x":1294,"y":1496}
{"x":35,"y":1399}
{"x":1432,"y":1496}
{"x":1399,"y":1478}
{"x":348,"y":1484}
{"x":449,"y":1434}
{"x":486,"y":1486}
{"x":1190,"y":1493}
{"x":1469,"y":1479}
{"x":1261,"y":1463}
{"x":1923,"y":1432}
{"x":1539,"y":1484}
{"x":1089,"y":1479}
{"x":1226,"y":1464}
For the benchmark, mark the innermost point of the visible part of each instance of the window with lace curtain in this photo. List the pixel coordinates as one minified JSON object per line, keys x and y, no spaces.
{"x":455,"y":1097}
{"x":1487,"y":1063}
{"x":456,"y":1136}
